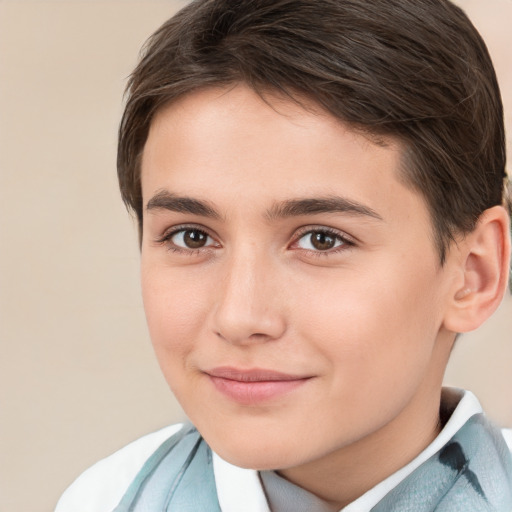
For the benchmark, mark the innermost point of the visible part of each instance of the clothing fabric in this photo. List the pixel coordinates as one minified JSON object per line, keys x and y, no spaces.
{"x":468,"y":467}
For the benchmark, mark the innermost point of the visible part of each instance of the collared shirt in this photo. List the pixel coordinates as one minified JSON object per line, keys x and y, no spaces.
{"x":101,"y":487}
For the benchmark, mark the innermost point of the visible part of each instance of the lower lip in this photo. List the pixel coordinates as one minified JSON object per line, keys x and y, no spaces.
{"x":255,"y":392}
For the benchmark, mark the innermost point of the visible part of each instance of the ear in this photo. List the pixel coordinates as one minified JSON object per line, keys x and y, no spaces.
{"x":484,"y":259}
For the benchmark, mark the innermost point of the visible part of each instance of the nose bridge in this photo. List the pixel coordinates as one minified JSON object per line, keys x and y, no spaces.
{"x":248,"y":306}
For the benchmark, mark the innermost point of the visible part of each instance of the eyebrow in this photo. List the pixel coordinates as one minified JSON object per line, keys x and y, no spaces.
{"x":164,"y":200}
{"x":313,"y":206}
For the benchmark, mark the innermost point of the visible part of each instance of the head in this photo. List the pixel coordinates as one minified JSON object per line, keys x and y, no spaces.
{"x":318,"y":188}
{"x":417,"y":71}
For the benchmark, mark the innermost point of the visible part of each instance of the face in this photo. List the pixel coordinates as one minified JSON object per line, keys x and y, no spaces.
{"x":292,"y":289}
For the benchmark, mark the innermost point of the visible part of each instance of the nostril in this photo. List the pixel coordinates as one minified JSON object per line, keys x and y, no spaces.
{"x":259,"y":335}
{"x":243,"y":335}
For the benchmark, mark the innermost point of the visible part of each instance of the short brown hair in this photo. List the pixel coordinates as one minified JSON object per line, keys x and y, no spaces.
{"x":416,"y":70}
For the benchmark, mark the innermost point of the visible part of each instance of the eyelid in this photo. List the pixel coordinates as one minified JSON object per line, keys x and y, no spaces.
{"x":166,"y":236}
{"x":348,"y":240}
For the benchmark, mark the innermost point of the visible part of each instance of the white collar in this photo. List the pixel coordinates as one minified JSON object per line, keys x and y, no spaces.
{"x":239,"y":488}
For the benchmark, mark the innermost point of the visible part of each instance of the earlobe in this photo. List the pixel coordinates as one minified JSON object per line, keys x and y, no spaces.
{"x":484,"y":265}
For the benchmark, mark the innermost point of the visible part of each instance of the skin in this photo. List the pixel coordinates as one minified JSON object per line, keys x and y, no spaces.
{"x":363,"y":321}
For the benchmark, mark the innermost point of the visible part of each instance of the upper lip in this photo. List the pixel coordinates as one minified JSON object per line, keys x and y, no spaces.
{"x":252,"y":374}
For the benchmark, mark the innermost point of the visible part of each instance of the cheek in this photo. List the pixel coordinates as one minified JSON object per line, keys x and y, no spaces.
{"x":375,"y":339}
{"x":174,"y":307}
{"x":382,"y":325}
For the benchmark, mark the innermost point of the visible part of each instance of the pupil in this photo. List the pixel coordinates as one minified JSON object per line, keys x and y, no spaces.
{"x":322,"y":241}
{"x":194,"y":239}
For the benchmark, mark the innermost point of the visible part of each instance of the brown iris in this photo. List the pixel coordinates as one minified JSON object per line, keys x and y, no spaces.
{"x":322,"y":241}
{"x":194,"y":239}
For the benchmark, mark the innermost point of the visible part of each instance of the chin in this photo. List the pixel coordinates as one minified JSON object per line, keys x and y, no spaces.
{"x":257,"y":461}
{"x":256,"y":455}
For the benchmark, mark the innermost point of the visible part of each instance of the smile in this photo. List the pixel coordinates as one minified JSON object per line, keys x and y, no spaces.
{"x":251,"y":387}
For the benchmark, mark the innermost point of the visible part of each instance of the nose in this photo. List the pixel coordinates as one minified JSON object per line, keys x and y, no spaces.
{"x":250,"y":308}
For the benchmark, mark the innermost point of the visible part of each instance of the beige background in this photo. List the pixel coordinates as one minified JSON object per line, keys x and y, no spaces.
{"x":77,"y":374}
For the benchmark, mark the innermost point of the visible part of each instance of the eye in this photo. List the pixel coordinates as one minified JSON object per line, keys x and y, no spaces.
{"x":322,"y":240}
{"x":190,"y":238}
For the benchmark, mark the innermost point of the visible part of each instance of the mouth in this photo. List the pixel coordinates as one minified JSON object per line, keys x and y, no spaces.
{"x":253,"y":386}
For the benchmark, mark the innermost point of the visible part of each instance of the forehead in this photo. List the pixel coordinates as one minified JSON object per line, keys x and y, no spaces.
{"x":202,"y":106}
{"x":225,"y":143}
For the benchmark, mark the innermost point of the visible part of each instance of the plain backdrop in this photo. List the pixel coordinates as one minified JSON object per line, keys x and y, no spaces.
{"x":77,"y":374}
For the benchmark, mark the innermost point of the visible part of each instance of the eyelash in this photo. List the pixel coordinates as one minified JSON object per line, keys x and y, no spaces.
{"x":166,"y":239}
{"x":346,"y":241}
